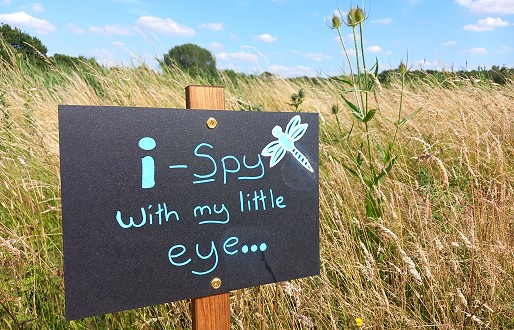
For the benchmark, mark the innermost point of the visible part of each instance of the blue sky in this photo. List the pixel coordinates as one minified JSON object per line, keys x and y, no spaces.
{"x":286,"y":37}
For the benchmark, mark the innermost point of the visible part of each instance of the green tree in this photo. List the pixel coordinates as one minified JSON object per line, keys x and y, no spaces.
{"x":193,"y":59}
{"x":72,"y":62}
{"x":13,"y":40}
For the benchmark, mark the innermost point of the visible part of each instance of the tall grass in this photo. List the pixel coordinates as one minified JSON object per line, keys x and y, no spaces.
{"x":441,"y":255}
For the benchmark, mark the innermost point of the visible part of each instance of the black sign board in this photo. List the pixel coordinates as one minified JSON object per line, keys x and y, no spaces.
{"x":158,"y":202}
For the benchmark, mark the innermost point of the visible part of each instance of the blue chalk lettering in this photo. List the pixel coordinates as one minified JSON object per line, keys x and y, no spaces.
{"x":254,"y":248}
{"x":147,"y":143}
{"x":215,"y":167}
{"x":162,"y":209}
{"x":227,"y":170}
{"x":150,"y":214}
{"x":260,"y":201}
{"x":159,"y":211}
{"x":234,"y":241}
{"x":168,"y":214}
{"x":279,"y":201}
{"x":213,"y":251}
{"x":241,"y":201}
{"x":200,"y":210}
{"x":178,"y":166}
{"x":147,"y":163}
{"x":171,"y":256}
{"x":147,"y":172}
{"x":203,"y":181}
{"x":262,"y":198}
{"x":131,"y":220}
{"x":259,"y":163}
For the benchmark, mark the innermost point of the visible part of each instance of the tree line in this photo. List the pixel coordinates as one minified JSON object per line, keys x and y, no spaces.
{"x":14,"y":43}
{"x":200,"y":62}
{"x":496,"y":74}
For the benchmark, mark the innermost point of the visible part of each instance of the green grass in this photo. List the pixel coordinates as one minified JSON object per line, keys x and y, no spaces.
{"x":441,"y":256}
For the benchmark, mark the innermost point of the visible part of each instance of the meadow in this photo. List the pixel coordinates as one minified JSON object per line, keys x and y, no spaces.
{"x":439,"y":256}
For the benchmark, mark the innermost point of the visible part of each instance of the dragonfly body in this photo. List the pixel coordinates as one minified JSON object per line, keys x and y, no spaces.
{"x":285,"y":142}
{"x":284,"y":139}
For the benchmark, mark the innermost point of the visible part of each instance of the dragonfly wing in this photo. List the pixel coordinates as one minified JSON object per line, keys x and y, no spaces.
{"x":271,"y":148}
{"x":275,"y":150}
{"x":295,"y":121}
{"x":294,"y":129}
{"x":298,"y":132}
{"x":277,"y":156}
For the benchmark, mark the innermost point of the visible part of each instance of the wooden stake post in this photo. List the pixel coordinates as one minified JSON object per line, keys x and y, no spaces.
{"x":212,"y":312}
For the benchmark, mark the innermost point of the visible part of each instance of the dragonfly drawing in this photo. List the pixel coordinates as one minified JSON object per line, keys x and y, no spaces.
{"x":277,"y":149}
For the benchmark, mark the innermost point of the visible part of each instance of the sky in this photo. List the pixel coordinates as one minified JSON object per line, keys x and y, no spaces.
{"x":285,"y":37}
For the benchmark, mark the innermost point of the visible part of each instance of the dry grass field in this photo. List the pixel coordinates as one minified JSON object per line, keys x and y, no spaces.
{"x":441,"y":256}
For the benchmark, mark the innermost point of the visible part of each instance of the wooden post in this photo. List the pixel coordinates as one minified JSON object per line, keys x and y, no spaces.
{"x":212,"y":312}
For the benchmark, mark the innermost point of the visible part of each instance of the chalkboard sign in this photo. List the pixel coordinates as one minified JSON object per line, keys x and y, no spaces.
{"x":158,"y":202}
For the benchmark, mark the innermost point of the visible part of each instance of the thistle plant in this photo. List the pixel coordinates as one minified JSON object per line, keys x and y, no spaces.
{"x":297,"y":99}
{"x":371,"y":161}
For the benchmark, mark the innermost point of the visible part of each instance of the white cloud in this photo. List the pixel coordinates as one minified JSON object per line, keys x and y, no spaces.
{"x":213,"y":26}
{"x":505,"y":49}
{"x":5,"y":2}
{"x":266,"y":38}
{"x":22,"y":19}
{"x":38,"y":7}
{"x":237,"y":56}
{"x":374,"y":49}
{"x":449,"y":43}
{"x":293,"y":71}
{"x":486,"y":24}
{"x":215,"y":46}
{"x":382,"y":21}
{"x":118,"y":43}
{"x":111,"y":29}
{"x":75,"y":29}
{"x":429,"y":64}
{"x":499,"y":7}
{"x":95,"y":29}
{"x":167,"y":26}
{"x":477,"y":51}
{"x":317,"y":56}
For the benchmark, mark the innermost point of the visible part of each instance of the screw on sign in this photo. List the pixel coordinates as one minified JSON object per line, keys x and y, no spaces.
{"x":212,"y":123}
{"x":216,"y":283}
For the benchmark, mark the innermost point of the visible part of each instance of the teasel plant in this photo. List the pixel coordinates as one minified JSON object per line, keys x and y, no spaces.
{"x":370,"y":162}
